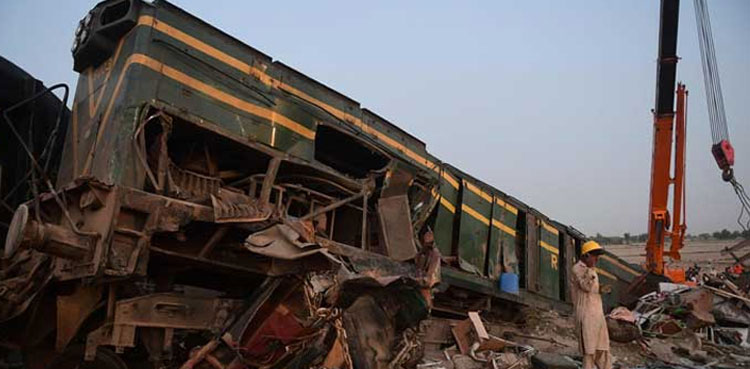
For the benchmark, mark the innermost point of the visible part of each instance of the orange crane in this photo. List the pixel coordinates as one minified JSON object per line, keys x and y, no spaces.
{"x":669,"y":130}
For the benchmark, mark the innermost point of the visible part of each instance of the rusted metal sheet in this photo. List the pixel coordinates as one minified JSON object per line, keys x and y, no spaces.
{"x":236,"y":207}
{"x":285,"y":243}
{"x":72,"y":310}
{"x":395,"y":220}
{"x":173,"y":311}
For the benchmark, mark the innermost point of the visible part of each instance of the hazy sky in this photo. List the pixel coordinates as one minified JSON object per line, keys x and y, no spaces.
{"x":547,"y":100}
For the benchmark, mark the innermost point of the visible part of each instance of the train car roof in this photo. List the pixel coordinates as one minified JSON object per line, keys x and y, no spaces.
{"x":343,"y":99}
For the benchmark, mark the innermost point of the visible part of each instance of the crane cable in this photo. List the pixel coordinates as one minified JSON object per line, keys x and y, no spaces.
{"x":715,"y":100}
{"x":745,"y":201}
{"x":714,"y":97}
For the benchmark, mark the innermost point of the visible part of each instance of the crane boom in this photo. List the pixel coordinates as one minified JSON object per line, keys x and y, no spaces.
{"x":660,"y":226}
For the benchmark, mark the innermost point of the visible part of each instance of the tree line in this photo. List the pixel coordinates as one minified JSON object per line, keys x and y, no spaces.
{"x":628,"y":238}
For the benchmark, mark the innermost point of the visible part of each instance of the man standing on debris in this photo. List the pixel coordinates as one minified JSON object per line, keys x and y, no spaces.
{"x":591,"y":327}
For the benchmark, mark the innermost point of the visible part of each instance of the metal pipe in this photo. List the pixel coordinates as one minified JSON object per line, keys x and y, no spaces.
{"x":334,"y":205}
{"x":111,"y":300}
{"x":215,"y":238}
{"x":678,"y":225}
{"x":269,"y":179}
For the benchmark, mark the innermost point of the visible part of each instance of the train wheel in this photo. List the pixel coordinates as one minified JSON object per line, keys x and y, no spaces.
{"x":72,"y":358}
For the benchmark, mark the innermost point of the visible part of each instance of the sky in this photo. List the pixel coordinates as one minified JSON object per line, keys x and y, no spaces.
{"x":546,"y":100}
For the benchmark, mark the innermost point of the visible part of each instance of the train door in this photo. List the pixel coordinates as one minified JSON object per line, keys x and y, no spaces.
{"x":447,"y":194}
{"x":567,"y":252}
{"x":502,"y":252}
{"x":476,"y":210}
{"x":531,"y":254}
{"x":549,"y":260}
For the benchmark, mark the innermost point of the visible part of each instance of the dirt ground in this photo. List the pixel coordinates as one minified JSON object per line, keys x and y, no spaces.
{"x":551,"y":325}
{"x":704,"y":253}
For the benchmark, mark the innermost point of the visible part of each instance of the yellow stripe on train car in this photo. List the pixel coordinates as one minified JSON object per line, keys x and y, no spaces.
{"x":448,"y":205}
{"x":499,"y":225}
{"x":549,"y":247}
{"x":507,"y":206}
{"x":550,"y":228}
{"x":468,"y":210}
{"x":620,"y":265}
{"x":478,"y":191}
{"x":161,"y":26}
{"x":605,"y":273}
{"x":444,"y":201}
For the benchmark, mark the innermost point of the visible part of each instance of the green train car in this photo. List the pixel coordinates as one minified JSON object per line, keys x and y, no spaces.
{"x":183,"y":142}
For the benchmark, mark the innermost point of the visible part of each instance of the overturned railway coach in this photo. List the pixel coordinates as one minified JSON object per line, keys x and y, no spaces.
{"x":195,"y":167}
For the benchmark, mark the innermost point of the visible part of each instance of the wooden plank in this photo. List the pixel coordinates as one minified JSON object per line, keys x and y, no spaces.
{"x":479,"y":328}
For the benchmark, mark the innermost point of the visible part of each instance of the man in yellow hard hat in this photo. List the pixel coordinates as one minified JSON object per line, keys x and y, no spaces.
{"x":591,"y":327}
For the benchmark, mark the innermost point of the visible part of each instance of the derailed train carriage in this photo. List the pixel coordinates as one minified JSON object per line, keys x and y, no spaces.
{"x":217,"y":208}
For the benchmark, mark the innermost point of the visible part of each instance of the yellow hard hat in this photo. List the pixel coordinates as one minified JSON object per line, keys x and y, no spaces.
{"x":590,"y":246}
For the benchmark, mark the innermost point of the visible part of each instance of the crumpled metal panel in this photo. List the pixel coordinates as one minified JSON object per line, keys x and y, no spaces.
{"x":232,"y":207}
{"x":283,"y":242}
{"x":72,"y":310}
{"x":174,"y":311}
{"x":395,"y":220}
{"x":185,"y":184}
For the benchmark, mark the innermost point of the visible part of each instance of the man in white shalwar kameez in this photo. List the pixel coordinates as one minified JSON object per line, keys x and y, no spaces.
{"x":591,"y":326}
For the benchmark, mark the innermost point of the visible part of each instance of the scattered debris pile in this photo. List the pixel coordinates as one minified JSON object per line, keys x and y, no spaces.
{"x":540,"y":339}
{"x":705,"y":325}
{"x":362,"y":317}
{"x":470,"y":344}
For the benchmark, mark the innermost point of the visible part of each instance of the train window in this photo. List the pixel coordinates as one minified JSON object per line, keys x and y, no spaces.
{"x":115,"y":12}
{"x":348,"y":227}
{"x":345,"y":153}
